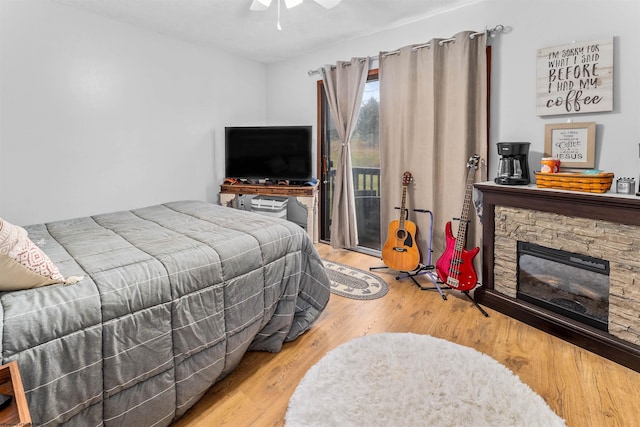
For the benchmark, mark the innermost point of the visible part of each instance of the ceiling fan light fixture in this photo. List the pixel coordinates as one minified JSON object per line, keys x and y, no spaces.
{"x":328,"y":4}
{"x":292,"y":3}
{"x":260,"y":4}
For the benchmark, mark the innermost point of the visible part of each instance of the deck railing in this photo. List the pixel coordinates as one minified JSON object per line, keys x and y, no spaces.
{"x":366,"y":180}
{"x":366,"y":183}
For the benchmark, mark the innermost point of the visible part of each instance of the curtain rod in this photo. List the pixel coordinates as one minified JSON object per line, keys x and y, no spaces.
{"x":346,"y":64}
{"x":492,"y":32}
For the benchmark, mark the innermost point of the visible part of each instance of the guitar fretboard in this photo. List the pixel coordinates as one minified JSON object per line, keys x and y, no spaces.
{"x":403,"y":208}
{"x":464,"y":218}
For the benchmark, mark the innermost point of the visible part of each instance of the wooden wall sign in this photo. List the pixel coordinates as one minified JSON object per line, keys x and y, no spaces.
{"x":575,"y":78}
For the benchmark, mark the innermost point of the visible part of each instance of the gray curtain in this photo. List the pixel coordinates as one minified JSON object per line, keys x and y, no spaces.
{"x":433,"y":117}
{"x":344,"y":86}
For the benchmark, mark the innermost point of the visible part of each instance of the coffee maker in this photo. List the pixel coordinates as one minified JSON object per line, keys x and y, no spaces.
{"x":513,"y":164}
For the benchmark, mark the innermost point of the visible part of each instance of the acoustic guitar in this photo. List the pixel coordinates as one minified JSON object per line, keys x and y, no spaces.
{"x":400,"y":251}
{"x":455,"y":266}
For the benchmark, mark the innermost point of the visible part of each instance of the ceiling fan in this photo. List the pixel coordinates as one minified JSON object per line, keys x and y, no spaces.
{"x":264,"y":4}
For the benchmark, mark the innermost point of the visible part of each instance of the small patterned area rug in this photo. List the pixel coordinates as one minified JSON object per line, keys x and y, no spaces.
{"x":354,"y":283}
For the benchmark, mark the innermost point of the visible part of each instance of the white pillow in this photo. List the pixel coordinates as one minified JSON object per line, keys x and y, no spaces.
{"x":23,"y":265}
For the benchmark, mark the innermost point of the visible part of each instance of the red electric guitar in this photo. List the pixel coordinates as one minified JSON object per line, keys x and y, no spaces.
{"x":455,"y":266}
{"x":400,"y":252}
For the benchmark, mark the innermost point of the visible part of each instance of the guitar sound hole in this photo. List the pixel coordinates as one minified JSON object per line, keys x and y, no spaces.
{"x":401,"y":234}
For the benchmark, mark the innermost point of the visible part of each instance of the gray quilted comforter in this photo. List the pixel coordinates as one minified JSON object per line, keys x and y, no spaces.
{"x":172,"y":297}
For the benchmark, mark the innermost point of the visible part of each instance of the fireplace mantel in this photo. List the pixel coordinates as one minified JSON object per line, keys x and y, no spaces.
{"x":615,"y":208}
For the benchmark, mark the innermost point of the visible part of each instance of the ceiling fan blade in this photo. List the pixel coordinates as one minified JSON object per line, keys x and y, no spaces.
{"x":260,"y":5}
{"x":328,"y":4}
{"x":292,"y":3}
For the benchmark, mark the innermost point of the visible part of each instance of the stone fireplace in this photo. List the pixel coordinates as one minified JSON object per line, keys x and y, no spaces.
{"x":597,"y":228}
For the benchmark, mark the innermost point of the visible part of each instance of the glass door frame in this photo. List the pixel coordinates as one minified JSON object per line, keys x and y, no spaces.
{"x":323,"y":166}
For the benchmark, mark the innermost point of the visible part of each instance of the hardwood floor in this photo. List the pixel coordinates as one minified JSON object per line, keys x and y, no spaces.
{"x":583,"y":388}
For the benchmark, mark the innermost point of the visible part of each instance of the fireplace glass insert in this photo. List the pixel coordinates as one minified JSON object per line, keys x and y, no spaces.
{"x":570,"y":284}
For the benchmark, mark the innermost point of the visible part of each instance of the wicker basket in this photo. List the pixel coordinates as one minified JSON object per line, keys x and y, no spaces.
{"x":576,"y":181}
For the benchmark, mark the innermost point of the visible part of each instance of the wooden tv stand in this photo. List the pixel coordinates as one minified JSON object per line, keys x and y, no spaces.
{"x":305,"y":194}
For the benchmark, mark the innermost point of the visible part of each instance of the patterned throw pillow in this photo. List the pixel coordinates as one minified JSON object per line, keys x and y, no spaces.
{"x":23,"y":265}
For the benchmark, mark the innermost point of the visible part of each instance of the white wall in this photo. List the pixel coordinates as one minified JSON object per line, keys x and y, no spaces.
{"x":97,"y":116}
{"x":532,"y":25}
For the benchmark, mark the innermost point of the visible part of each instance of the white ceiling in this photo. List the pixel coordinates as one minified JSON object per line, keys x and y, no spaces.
{"x":230,"y":25}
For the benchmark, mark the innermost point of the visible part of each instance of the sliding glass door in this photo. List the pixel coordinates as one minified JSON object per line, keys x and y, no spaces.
{"x":365,"y":157}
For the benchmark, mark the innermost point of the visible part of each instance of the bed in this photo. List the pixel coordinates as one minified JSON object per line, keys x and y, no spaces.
{"x":171,"y":298}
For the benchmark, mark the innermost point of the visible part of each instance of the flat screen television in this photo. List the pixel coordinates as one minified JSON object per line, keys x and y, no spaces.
{"x":271,"y":153}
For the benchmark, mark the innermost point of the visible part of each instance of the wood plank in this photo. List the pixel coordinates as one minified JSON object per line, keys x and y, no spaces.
{"x":17,"y":413}
{"x":582,"y":387}
{"x":278,"y":190}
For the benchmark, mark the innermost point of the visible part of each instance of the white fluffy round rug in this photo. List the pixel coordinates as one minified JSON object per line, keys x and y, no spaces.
{"x":404,"y":379}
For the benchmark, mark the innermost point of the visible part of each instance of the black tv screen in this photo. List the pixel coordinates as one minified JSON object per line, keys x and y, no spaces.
{"x":269,"y":152}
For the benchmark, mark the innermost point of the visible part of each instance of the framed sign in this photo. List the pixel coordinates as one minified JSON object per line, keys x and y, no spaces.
{"x":575,"y":78}
{"x":574,"y":144}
